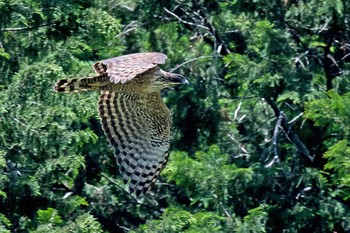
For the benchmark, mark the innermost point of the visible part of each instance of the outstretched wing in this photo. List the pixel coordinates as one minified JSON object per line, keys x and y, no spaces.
{"x":127,"y":67}
{"x":140,"y":135}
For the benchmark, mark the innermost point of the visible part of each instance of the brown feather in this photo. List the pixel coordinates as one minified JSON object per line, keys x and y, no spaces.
{"x":141,"y":144}
{"x":133,"y":116}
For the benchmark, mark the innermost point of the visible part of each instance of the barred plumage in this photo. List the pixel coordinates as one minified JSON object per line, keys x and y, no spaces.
{"x":84,"y":84}
{"x":133,"y":116}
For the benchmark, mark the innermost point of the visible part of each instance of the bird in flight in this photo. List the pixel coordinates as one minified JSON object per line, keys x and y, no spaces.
{"x":133,"y":115}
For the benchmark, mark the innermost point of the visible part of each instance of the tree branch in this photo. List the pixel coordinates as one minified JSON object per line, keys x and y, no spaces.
{"x":189,"y":61}
{"x":289,"y":132}
{"x":275,"y":134}
{"x":326,"y":53}
{"x":26,"y":126}
{"x":121,"y":188}
{"x":23,"y":28}
{"x":184,"y":21}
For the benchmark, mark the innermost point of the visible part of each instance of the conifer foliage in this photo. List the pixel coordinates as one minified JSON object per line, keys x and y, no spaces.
{"x":260,"y":138}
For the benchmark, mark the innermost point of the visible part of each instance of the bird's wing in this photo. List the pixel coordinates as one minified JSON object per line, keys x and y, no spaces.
{"x":127,"y":67}
{"x":140,"y":135}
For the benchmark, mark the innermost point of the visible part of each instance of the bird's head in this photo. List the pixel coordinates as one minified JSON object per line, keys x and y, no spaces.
{"x":175,"y":79}
{"x":167,"y":79}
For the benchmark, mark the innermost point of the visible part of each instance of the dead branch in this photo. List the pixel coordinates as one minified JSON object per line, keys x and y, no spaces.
{"x":184,"y":21}
{"x":25,"y":125}
{"x":189,"y":61}
{"x":275,"y":134}
{"x":23,"y":28}
{"x":121,"y":188}
{"x":294,"y":138}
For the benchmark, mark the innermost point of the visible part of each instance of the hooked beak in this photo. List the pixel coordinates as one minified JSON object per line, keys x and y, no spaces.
{"x":185,"y":81}
{"x":178,"y":79}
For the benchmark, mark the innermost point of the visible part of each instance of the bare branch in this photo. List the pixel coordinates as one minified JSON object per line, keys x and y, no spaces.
{"x":26,"y":126}
{"x":342,"y":59}
{"x":125,"y":32}
{"x":121,"y":188}
{"x":183,"y":21}
{"x":228,"y":215}
{"x":240,"y":145}
{"x":23,"y":28}
{"x":15,"y":29}
{"x":237,"y":110}
{"x":134,"y":200}
{"x":119,"y":5}
{"x":335,"y":63}
{"x":295,"y":118}
{"x":275,"y":134}
{"x":189,"y":61}
{"x":294,"y":138}
{"x":275,"y":140}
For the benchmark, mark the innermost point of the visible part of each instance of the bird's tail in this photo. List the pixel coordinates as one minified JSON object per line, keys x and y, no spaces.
{"x":78,"y":85}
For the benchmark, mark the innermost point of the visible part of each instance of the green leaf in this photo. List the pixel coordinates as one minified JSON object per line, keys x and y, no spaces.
{"x":49,"y":215}
{"x":4,"y":54}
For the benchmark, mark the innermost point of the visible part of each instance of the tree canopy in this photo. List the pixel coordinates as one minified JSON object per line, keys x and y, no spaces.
{"x":260,"y":139}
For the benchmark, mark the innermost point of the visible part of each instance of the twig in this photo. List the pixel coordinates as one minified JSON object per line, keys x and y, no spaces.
{"x":275,"y":135}
{"x":295,"y":118}
{"x":21,"y":123}
{"x":223,"y":208}
{"x":297,"y":60}
{"x":119,"y":4}
{"x":125,"y":32}
{"x":240,"y":145}
{"x":135,"y":201}
{"x":128,"y":28}
{"x":125,"y":229}
{"x":183,"y":21}
{"x":15,"y":29}
{"x":342,"y":59}
{"x":121,"y":188}
{"x":189,"y":61}
{"x":166,"y":184}
{"x":23,"y":28}
{"x":237,"y":110}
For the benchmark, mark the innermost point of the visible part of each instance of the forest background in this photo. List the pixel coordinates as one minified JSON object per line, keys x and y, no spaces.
{"x":260,"y":138}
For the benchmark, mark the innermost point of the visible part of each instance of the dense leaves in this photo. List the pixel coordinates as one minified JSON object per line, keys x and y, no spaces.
{"x":260,"y":138}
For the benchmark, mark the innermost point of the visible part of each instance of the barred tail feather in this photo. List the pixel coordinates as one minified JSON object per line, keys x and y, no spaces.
{"x":78,"y":85}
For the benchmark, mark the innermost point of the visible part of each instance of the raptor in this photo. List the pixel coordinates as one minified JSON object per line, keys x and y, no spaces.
{"x":133,"y":115}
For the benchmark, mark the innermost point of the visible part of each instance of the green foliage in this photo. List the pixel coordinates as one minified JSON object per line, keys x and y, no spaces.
{"x":50,"y":222}
{"x":5,"y":224}
{"x":255,"y":221}
{"x":86,"y":223}
{"x":338,"y":157}
{"x":332,"y":109}
{"x":176,"y":219}
{"x":208,"y":178}
{"x":269,"y":85}
{"x":49,"y":216}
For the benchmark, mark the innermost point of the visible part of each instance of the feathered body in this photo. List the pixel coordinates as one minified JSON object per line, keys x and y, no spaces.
{"x":133,"y":116}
